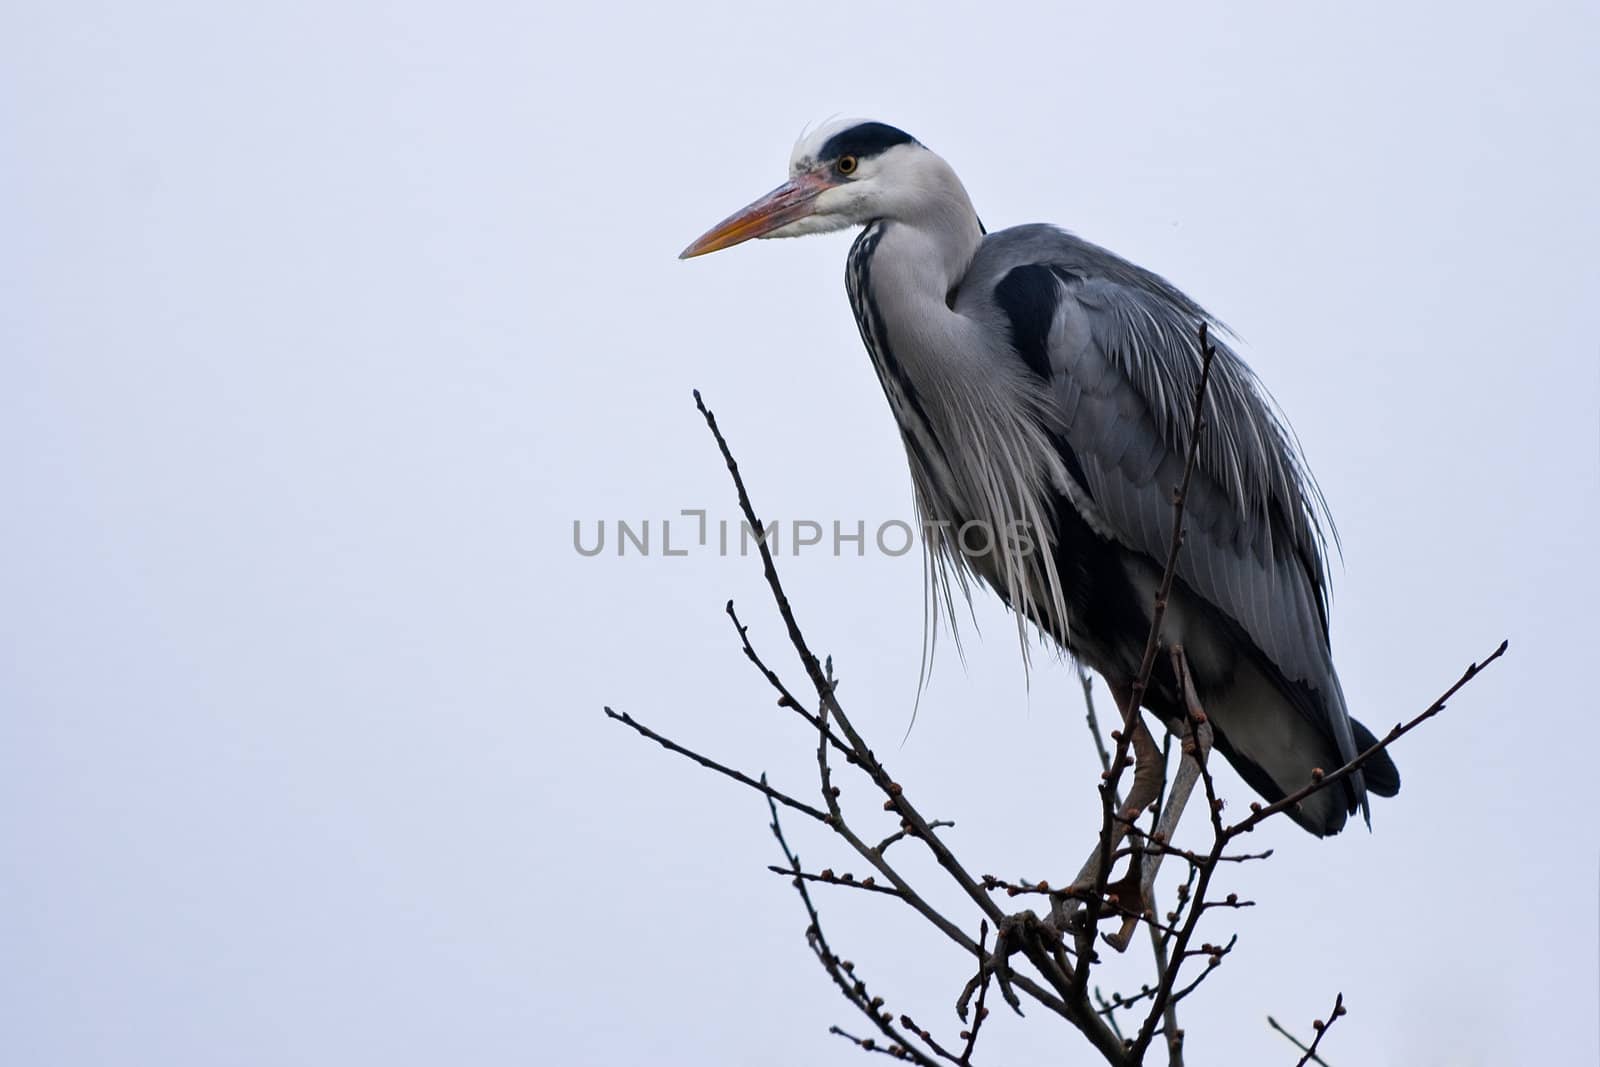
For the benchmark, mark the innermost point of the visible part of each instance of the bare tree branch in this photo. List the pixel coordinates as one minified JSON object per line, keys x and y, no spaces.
{"x":711,"y":764}
{"x":1310,"y":1056}
{"x":1321,"y":1029}
{"x":1046,"y":960}
{"x":842,"y":971}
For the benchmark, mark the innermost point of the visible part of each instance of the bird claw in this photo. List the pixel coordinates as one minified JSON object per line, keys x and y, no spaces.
{"x":1008,"y":940}
{"x":1127,"y":898}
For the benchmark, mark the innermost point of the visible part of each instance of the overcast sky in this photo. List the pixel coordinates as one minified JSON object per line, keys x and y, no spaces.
{"x":320,"y":325}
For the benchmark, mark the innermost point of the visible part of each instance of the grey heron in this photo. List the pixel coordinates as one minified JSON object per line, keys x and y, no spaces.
{"x":1043,"y":388}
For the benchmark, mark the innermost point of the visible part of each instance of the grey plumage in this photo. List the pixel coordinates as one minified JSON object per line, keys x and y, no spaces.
{"x":1044,"y":387}
{"x":1125,"y":364}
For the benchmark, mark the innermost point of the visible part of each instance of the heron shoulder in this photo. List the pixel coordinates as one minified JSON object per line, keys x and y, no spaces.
{"x":1042,"y":244}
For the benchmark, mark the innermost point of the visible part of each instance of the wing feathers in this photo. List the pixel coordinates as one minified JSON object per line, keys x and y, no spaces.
{"x":1124,"y":359}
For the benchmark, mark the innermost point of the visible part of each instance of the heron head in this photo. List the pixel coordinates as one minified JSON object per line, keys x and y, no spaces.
{"x":844,"y":173}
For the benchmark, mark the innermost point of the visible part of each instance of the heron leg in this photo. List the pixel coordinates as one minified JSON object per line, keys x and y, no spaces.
{"x":1196,"y":749}
{"x":1149,"y":773}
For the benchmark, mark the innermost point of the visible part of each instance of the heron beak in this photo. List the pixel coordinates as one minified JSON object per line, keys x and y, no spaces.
{"x":788,"y":202}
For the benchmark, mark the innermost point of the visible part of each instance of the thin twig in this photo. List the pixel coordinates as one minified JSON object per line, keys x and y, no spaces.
{"x":827,"y":877}
{"x":1093,"y":719}
{"x":981,"y":1013}
{"x":710,"y":764}
{"x":786,"y":699}
{"x":1109,"y":1010}
{"x":1322,"y":1029}
{"x":1297,"y":1043}
{"x":882,"y":846}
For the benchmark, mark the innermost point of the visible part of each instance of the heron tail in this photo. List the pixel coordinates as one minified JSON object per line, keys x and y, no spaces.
{"x":1383,"y":777}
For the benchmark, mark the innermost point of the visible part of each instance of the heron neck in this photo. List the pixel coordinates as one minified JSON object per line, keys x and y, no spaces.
{"x":918,"y":263}
{"x":934,"y":246}
{"x":916,"y":268}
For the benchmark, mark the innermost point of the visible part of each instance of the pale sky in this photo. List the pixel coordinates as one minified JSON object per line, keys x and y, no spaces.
{"x":320,"y":325}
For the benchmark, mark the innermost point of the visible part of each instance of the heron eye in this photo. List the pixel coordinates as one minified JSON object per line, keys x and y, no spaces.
{"x":846,"y":165}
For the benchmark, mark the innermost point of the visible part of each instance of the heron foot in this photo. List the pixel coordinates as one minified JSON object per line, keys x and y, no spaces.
{"x":1016,"y":933}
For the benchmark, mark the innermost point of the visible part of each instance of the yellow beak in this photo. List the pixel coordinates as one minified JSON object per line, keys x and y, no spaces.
{"x":790,"y":201}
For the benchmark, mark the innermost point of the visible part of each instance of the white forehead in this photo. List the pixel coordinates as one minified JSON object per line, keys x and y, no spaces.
{"x":812,"y":139}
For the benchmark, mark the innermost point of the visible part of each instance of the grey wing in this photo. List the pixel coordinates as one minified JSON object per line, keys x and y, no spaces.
{"x":1124,"y":363}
